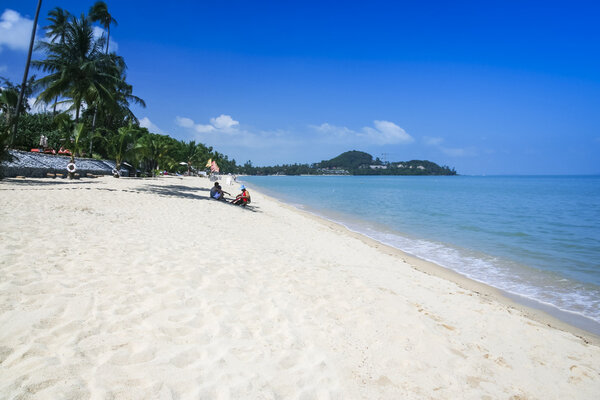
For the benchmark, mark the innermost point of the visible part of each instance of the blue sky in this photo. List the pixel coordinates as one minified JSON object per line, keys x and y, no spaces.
{"x":507,"y":87}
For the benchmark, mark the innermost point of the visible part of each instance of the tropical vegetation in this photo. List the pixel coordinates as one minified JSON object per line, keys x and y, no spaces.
{"x":352,"y":163}
{"x":84,"y":84}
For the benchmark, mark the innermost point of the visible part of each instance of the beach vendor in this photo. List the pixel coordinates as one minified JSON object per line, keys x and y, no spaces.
{"x":243,"y":198}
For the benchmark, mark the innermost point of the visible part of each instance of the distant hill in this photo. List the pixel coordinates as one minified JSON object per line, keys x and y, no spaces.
{"x":353,"y":163}
{"x":349,"y":160}
{"x":361,"y":163}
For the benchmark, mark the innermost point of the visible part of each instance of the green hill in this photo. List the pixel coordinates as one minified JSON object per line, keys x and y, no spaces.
{"x":352,"y":163}
{"x":361,"y":163}
{"x":348,"y":160}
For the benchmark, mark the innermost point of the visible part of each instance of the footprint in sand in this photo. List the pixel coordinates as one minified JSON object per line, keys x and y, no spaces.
{"x":288,"y":361}
{"x":4,"y":353}
{"x":127,"y":358}
{"x":185,"y":358}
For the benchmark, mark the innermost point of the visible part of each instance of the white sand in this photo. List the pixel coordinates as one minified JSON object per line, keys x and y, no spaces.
{"x":144,"y":289}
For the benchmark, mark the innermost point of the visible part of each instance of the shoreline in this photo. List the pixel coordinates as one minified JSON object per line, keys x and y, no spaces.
{"x":579,"y":325}
{"x":517,"y":302}
{"x":146,"y":288}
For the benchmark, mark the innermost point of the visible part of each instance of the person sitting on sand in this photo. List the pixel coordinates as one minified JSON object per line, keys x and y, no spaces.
{"x":217,"y":192}
{"x":243,"y":198}
{"x":214,"y":190}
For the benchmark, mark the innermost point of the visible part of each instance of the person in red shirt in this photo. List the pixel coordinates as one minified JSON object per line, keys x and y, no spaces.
{"x":243,"y":198}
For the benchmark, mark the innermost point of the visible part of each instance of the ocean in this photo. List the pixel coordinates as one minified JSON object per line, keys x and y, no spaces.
{"x":536,"y":238}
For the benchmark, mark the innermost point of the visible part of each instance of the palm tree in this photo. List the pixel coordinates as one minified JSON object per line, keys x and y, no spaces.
{"x":57,"y":30}
{"x":8,"y":101}
{"x":77,"y":140}
{"x":122,"y":145}
{"x":18,"y":107}
{"x":75,"y":135}
{"x":64,"y":123}
{"x":9,"y":98}
{"x":59,"y":21}
{"x":81,"y":71}
{"x":4,"y":142}
{"x":156,"y":149}
{"x":99,"y":13}
{"x":117,"y":67}
{"x":77,"y":68}
{"x":192,"y":154}
{"x":122,"y":96}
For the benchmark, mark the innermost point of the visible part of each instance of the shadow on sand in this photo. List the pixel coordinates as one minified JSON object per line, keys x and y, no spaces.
{"x":181,"y":191}
{"x":186,"y":192}
{"x":44,"y":182}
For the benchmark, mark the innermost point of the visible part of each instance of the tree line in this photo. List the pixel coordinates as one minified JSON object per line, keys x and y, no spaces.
{"x":352,"y":163}
{"x":87,"y":98}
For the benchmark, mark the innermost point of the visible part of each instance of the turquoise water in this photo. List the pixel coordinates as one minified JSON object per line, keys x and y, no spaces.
{"x":537,"y":238}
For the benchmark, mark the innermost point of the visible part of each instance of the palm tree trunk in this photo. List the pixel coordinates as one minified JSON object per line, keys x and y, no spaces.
{"x":107,"y":37}
{"x":93,"y":129}
{"x":18,"y":110}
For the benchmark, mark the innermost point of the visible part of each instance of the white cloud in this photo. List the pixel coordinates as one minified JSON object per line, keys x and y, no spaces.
{"x":222,"y":129}
{"x":221,"y":124}
{"x":336,"y":131}
{"x":112,"y":45}
{"x":386,"y":132}
{"x":433,"y":141}
{"x":184,"y":122}
{"x":382,"y":132}
{"x":204,"y":128}
{"x":146,"y":123}
{"x":15,"y":30}
{"x":224,"y":122}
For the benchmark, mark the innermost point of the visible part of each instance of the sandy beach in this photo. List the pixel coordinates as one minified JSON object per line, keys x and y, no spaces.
{"x":146,"y":289}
